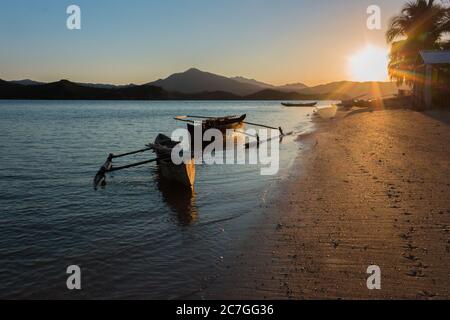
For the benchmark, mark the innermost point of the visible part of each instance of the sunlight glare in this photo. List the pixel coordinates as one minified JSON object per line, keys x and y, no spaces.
{"x":369,"y":64}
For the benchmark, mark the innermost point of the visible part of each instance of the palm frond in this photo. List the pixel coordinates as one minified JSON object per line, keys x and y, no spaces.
{"x":420,"y":25}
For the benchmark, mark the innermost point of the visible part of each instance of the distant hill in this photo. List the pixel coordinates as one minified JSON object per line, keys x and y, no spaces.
{"x":270,"y":94}
{"x":194,"y":80}
{"x":194,"y":84}
{"x":363,"y":90}
{"x":259,"y":84}
{"x":296,"y":87}
{"x":213,"y":95}
{"x":27,"y":82}
{"x":66,"y":90}
{"x":105,"y":86}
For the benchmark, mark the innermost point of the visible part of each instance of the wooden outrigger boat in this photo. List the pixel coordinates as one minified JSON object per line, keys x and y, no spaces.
{"x":309,"y":104}
{"x":184,"y":173}
{"x":227,"y":122}
{"x":220,"y":123}
{"x":223,"y":123}
{"x":205,"y":123}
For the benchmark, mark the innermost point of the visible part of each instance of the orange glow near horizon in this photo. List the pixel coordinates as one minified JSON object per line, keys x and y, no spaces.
{"x":369,"y":64}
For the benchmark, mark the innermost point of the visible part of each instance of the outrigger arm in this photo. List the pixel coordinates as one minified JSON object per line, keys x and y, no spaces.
{"x":100,"y":177}
{"x":184,"y":119}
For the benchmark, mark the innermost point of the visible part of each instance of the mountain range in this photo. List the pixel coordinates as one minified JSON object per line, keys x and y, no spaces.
{"x":194,"y":84}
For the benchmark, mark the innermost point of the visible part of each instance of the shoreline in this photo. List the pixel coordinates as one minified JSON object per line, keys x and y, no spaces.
{"x":371,"y":190}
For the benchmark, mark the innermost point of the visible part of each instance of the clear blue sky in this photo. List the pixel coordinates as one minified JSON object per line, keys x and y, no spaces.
{"x":277,"y":41}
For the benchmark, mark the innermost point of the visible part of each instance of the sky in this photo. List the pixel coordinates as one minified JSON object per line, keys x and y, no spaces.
{"x":138,"y":41}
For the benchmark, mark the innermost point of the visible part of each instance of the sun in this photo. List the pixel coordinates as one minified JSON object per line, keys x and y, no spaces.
{"x":369,"y":64}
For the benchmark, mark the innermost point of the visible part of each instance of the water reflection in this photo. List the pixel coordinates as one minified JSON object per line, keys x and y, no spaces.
{"x":180,"y":199}
{"x":165,"y":260}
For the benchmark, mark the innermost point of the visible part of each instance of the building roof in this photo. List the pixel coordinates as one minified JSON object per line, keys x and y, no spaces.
{"x":435,"y":56}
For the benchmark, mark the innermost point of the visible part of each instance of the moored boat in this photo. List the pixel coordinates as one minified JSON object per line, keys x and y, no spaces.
{"x":308,"y":104}
{"x":226,"y":122}
{"x":220,"y":123}
{"x":205,"y":123}
{"x":355,"y":103}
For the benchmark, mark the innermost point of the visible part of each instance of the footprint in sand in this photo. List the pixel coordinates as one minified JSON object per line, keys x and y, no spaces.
{"x":426,"y":294}
{"x":405,"y":236}
{"x":410,"y":247}
{"x":415,"y":273}
{"x":410,"y":257}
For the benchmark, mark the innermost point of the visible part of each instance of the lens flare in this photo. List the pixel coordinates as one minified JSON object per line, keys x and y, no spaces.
{"x":369,"y":64}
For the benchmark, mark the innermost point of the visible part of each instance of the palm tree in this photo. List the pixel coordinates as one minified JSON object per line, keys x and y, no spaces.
{"x":421,"y":25}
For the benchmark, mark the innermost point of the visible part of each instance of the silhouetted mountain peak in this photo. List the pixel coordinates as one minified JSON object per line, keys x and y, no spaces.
{"x":26,"y":82}
{"x":294,"y":84}
{"x":193,"y":70}
{"x":64,"y":81}
{"x":194,"y":80}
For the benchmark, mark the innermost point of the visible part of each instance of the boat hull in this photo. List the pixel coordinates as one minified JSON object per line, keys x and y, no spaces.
{"x":183,"y":174}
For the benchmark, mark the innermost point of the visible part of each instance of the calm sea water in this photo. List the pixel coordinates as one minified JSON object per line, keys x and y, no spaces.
{"x":138,"y":237}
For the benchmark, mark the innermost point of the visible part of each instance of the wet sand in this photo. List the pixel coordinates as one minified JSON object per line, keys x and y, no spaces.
{"x":373,"y":189}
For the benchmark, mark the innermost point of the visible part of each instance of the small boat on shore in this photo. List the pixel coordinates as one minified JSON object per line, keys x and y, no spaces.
{"x":326,"y":112}
{"x":308,"y":104}
{"x":355,"y":103}
{"x":183,"y":173}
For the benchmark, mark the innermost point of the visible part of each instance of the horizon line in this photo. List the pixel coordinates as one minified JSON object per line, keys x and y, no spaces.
{"x":192,"y":68}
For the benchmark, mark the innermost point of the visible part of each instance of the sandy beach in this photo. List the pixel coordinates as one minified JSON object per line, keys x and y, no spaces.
{"x":372,"y":189}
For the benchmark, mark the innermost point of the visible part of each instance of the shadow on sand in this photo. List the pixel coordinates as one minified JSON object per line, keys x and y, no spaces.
{"x":442,"y":115}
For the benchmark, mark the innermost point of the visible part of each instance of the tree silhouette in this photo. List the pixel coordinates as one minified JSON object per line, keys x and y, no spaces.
{"x":421,"y":25}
